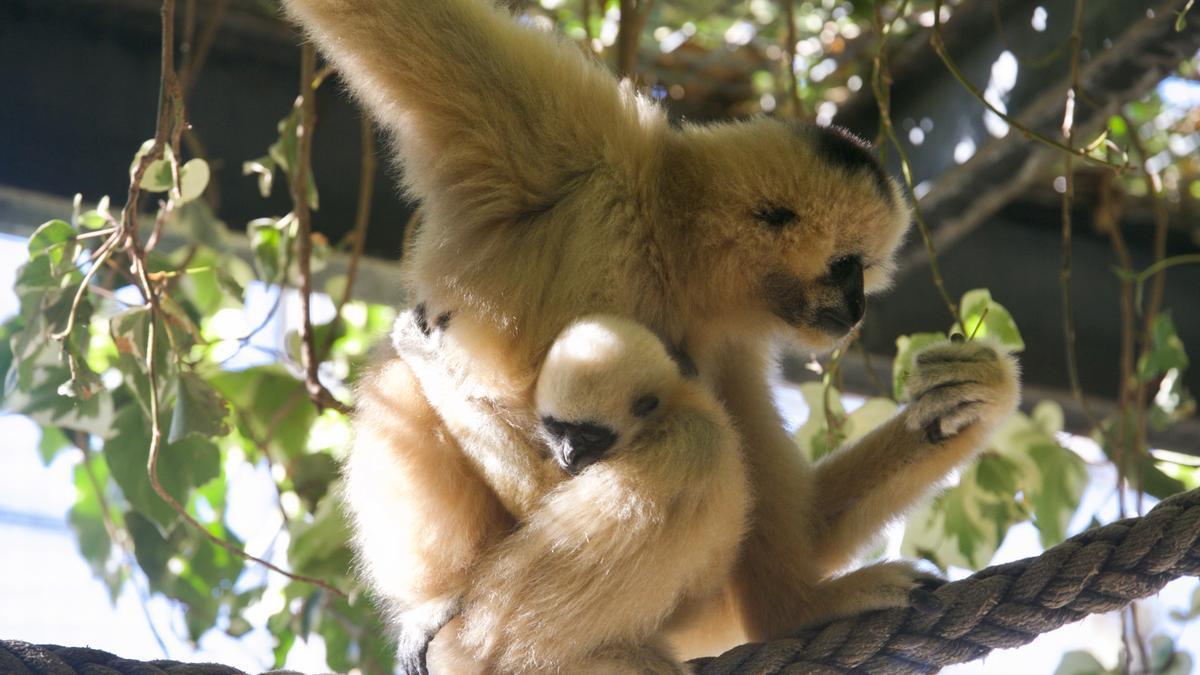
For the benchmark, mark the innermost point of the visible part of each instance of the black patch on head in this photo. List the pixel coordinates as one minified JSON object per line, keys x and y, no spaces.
{"x":421,"y":319}
{"x":785,"y":296}
{"x":644,"y":405}
{"x":683,"y":360}
{"x":846,"y":150}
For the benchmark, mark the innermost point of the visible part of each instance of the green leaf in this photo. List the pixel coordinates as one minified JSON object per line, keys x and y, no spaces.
{"x":199,"y":409}
{"x":87,"y":518}
{"x":150,"y":547}
{"x":321,"y":548}
{"x":1166,"y":350}
{"x":98,"y":217}
{"x":56,"y":240}
{"x":815,"y":437}
{"x":158,"y":175}
{"x":182,"y":465}
{"x":273,"y":407}
{"x":1079,"y":663}
{"x":997,"y":475}
{"x":193,"y":179}
{"x":52,"y":442}
{"x":983,"y":317}
{"x":311,"y":476}
{"x":907,"y":347}
{"x":264,"y":168}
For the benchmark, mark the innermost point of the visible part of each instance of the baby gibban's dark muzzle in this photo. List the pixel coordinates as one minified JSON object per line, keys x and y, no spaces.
{"x":578,"y":445}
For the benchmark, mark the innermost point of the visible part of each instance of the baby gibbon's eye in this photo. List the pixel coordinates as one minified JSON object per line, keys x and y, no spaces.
{"x":644,"y":405}
{"x":775,"y":217}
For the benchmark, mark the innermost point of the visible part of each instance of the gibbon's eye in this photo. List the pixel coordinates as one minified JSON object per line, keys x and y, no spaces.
{"x":775,"y":217}
{"x":644,"y":405}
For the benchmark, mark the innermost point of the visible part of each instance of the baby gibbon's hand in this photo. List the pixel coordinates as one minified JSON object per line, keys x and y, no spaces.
{"x":955,"y":385}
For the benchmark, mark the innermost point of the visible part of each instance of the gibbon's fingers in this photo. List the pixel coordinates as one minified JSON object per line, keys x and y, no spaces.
{"x":417,"y":627}
{"x":469,"y":91}
{"x":956,"y":385}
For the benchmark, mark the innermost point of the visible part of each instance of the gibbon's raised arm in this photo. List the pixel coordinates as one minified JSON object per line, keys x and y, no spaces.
{"x":496,"y":120}
{"x":588,"y":580}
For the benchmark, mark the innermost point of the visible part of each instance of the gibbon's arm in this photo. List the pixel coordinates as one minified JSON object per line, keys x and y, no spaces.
{"x":497,"y":121}
{"x":591,"y":576}
{"x":959,"y":394}
{"x":422,"y":516}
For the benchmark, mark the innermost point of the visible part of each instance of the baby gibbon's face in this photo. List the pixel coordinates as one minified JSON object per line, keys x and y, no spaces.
{"x":795,"y":222}
{"x":604,"y":380}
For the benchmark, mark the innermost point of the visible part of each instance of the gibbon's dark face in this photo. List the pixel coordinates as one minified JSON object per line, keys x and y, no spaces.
{"x":801,"y":222}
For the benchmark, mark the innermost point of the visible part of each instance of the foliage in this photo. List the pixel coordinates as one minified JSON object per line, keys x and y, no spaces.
{"x":121,"y":349}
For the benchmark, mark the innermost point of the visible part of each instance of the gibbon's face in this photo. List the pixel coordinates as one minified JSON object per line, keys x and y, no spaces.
{"x":604,"y":380}
{"x":795,"y":222}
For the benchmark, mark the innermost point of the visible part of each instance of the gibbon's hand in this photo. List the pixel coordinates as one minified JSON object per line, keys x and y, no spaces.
{"x":417,"y":628}
{"x":955,"y":385}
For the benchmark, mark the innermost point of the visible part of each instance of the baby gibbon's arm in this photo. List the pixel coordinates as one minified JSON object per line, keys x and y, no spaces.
{"x":593,"y":573}
{"x":959,"y":394}
{"x":496,"y":120}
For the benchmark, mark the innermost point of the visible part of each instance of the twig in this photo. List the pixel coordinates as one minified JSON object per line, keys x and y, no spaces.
{"x":304,"y":130}
{"x":939,"y":48}
{"x":151,"y":298}
{"x":1068,"y":130}
{"x":881,"y":85}
{"x":362,"y":218}
{"x":190,"y":71}
{"x":629,"y":35}
{"x":1036,"y":62}
{"x":789,"y":51}
{"x":1156,"y":271}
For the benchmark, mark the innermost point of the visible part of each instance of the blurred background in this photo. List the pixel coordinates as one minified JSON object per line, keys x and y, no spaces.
{"x":1052,"y":148}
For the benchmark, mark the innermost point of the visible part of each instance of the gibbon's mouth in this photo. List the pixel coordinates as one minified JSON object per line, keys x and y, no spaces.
{"x":578,"y":445}
{"x":837,"y":322}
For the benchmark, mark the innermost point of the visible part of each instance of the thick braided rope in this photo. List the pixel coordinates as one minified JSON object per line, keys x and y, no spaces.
{"x":23,"y":658}
{"x":1000,"y":607}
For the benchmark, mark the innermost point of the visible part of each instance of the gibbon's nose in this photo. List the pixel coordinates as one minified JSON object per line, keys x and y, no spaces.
{"x":847,"y":274}
{"x":579,"y":444}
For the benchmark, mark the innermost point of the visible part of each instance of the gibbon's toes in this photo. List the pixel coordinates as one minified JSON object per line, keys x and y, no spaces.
{"x":925,"y":601}
{"x":955,"y":385}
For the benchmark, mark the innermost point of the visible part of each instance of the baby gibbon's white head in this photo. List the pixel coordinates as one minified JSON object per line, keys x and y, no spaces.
{"x":604,"y":380}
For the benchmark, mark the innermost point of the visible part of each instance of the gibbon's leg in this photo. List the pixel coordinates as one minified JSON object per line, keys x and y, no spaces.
{"x":421,"y":514}
{"x":497,"y":121}
{"x":773,"y":582}
{"x":959,"y":393}
{"x":586,"y":583}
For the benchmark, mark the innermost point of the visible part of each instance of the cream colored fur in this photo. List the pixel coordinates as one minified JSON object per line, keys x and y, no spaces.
{"x":549,"y":193}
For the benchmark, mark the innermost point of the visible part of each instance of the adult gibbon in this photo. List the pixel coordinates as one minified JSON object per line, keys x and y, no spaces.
{"x":551,"y":192}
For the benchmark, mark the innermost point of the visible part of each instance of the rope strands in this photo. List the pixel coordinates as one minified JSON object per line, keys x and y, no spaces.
{"x":1001,"y":607}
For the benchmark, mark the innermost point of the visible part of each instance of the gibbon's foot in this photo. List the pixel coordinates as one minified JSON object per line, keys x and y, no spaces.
{"x":885,"y":585}
{"x":922,"y":597}
{"x":956,"y":384}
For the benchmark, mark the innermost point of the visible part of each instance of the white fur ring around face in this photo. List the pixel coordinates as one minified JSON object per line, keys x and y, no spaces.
{"x":955,"y":385}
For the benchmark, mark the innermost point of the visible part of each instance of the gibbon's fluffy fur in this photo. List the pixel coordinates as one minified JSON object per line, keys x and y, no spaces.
{"x":654,"y":517}
{"x":549,"y":193}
